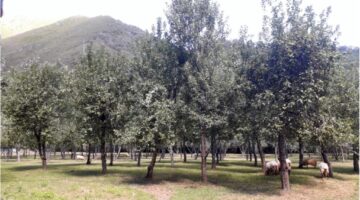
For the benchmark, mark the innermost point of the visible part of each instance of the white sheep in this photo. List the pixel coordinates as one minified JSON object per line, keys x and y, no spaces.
{"x":79,"y":157}
{"x":324,"y":169}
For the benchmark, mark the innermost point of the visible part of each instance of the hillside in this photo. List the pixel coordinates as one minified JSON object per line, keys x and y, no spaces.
{"x":64,"y":40}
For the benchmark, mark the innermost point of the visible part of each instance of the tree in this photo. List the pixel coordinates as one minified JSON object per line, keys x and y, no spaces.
{"x":302,"y":51}
{"x":196,"y":29}
{"x":30,"y":102}
{"x":101,"y":86}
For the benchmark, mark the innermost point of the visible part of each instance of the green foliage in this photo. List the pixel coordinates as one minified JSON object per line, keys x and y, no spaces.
{"x":31,"y":100}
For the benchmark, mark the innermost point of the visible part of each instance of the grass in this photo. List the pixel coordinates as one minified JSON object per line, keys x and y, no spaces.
{"x":234,"y":178}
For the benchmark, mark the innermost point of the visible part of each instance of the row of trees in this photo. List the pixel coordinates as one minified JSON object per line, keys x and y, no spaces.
{"x":188,"y":84}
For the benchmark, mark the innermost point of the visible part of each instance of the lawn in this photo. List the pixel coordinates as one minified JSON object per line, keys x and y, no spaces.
{"x":234,"y":178}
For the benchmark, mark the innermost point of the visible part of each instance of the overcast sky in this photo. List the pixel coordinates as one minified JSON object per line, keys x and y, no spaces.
{"x":143,"y":13}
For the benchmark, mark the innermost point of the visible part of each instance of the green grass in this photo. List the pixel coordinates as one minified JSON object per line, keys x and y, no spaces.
{"x":233,"y":179}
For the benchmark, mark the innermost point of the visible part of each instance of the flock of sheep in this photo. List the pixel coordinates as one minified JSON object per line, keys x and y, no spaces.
{"x":273,"y":167}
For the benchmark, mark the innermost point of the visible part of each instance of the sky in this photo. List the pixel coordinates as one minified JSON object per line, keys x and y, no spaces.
{"x":143,"y":13}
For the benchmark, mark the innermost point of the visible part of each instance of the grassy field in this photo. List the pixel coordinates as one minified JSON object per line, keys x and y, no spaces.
{"x":234,"y":178}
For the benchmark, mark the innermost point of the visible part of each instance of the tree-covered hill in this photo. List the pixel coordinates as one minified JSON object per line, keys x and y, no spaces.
{"x":64,"y":40}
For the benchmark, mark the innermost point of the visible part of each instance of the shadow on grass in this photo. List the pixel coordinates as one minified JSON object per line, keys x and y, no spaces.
{"x":238,"y":176}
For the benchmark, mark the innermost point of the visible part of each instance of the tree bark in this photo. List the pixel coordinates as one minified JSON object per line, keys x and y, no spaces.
{"x":285,"y":183}
{"x":203,"y":156}
{"x":171,"y":156}
{"x":88,"y":162}
{"x":356,"y":158}
{"x":139,"y":159}
{"x":103,"y":154}
{"x":17,"y":153}
{"x":254,"y":152}
{"x":44,"y":159}
{"x":326,"y":160}
{"x":111,"y":154}
{"x":119,"y":151}
{"x":184,"y":150}
{"x":261,"y":153}
{"x":213,"y":152}
{"x":150,"y":169}
{"x":301,"y":152}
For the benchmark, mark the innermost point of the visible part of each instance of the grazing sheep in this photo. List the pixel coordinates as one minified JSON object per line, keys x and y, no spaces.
{"x":324,"y":169}
{"x":79,"y":157}
{"x":308,"y":162}
{"x":288,"y":165}
{"x":273,"y":167}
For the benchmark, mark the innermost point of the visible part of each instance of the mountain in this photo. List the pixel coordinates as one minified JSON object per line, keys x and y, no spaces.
{"x":64,"y":41}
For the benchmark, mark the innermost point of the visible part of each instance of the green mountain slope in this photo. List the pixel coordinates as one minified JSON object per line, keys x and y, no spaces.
{"x":64,"y":41}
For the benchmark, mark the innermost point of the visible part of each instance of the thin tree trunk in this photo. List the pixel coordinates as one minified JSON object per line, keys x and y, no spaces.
{"x":35,"y":151}
{"x":184,"y":150}
{"x":203,"y":156}
{"x":213,"y":152}
{"x":139,"y":159}
{"x":119,"y":151}
{"x":342,"y":154}
{"x":151,"y":166}
{"x":301,"y":153}
{"x":103,"y":153}
{"x":171,"y":156}
{"x":17,"y":153}
{"x":254,"y":152}
{"x":111,"y":154}
{"x":250,"y":151}
{"x":356,"y":158}
{"x":217,"y":155}
{"x":44,"y":159}
{"x":285,"y":183}
{"x":261,"y":153}
{"x":88,"y":162}
{"x":326,"y":160}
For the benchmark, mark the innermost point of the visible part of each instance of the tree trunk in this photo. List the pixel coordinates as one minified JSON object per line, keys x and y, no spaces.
{"x":73,"y":155}
{"x":151,"y":166}
{"x":285,"y":183}
{"x":119,"y":151}
{"x":250,"y":151}
{"x":301,"y":153}
{"x":17,"y":153}
{"x":88,"y":162}
{"x":103,"y":154}
{"x":356,"y":158}
{"x":253,"y":149}
{"x":213,"y":152}
{"x":342,"y":154}
{"x":326,"y":160}
{"x":261,"y":153}
{"x":44,"y":159}
{"x":35,"y":151}
{"x":139,"y":159}
{"x":217,"y":155}
{"x":171,"y":151}
{"x":111,"y":154}
{"x":203,"y":156}
{"x":184,"y":150}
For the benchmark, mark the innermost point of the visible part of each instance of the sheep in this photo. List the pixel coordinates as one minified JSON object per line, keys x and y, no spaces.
{"x":288,"y":165}
{"x":324,"y":169}
{"x":308,"y":162}
{"x":273,"y":167}
{"x":79,"y":157}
